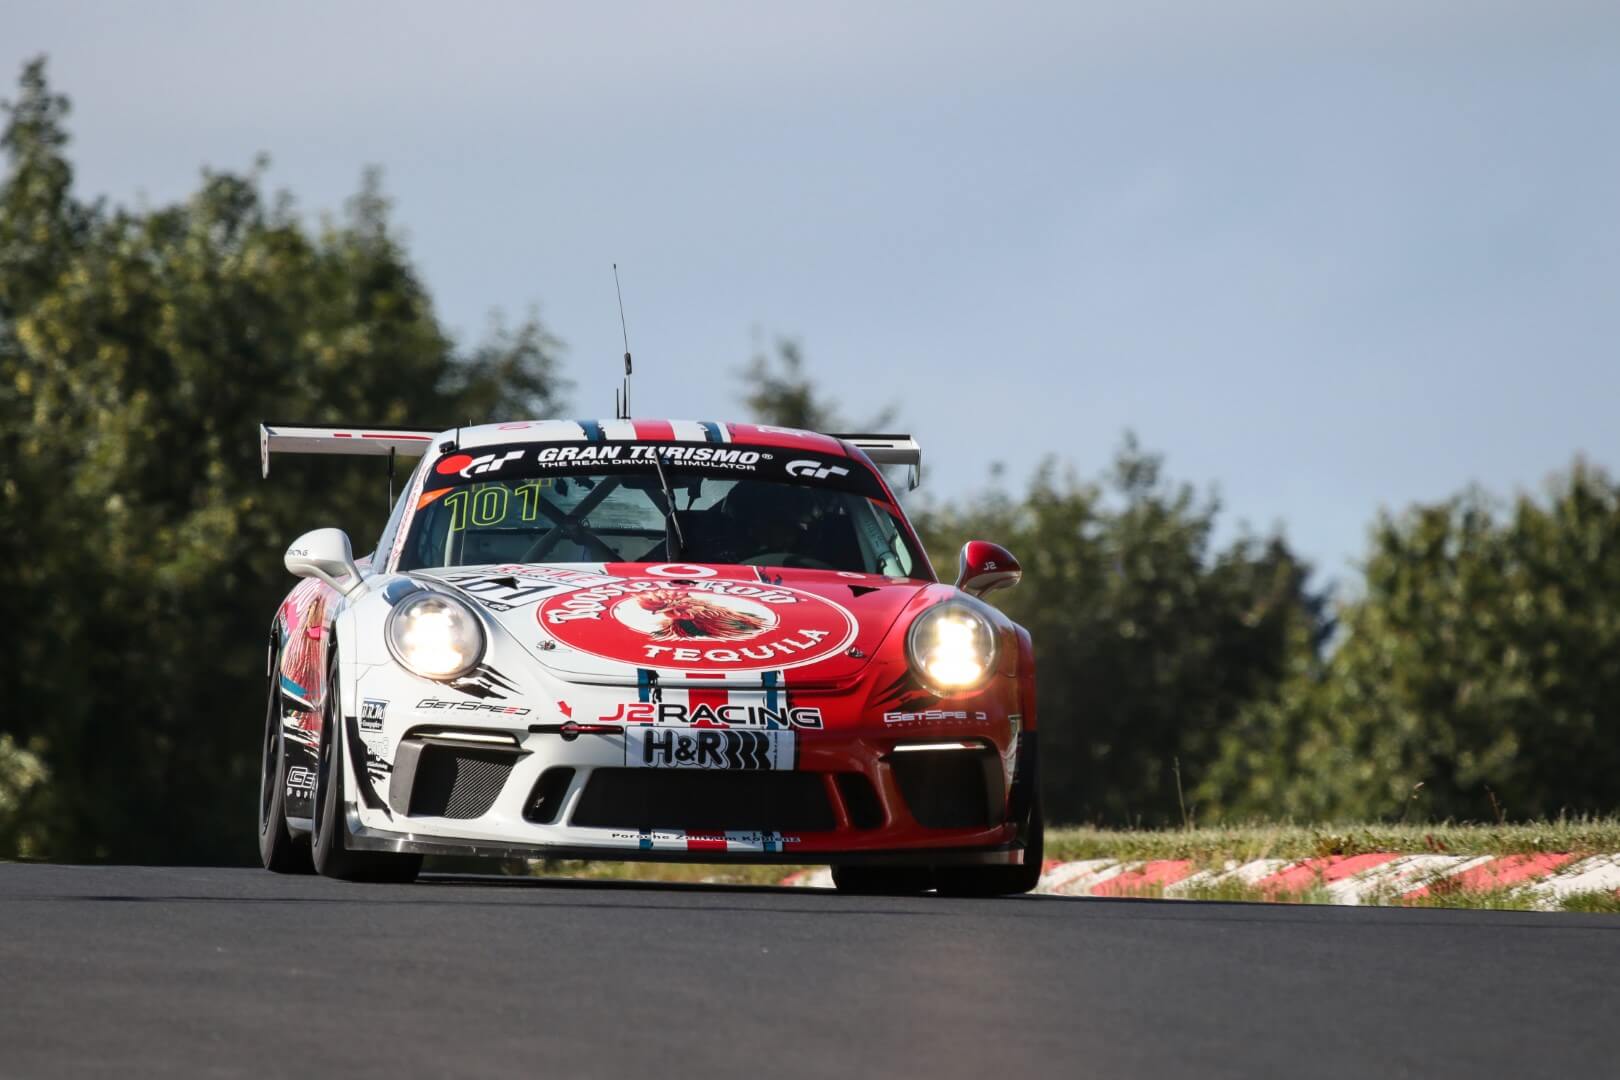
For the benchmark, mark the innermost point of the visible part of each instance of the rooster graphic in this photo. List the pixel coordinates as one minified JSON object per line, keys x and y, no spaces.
{"x":685,"y":616}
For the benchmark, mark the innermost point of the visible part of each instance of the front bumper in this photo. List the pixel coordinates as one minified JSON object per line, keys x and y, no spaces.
{"x":950,"y":796}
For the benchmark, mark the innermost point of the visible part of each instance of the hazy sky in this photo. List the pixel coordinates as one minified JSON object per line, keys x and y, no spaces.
{"x":1325,"y":257}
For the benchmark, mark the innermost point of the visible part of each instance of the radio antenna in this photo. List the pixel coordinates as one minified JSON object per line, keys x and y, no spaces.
{"x":621,"y":398}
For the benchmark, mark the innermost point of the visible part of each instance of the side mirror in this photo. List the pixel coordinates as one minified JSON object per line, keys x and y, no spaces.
{"x":984,"y":567}
{"x":325,"y":554}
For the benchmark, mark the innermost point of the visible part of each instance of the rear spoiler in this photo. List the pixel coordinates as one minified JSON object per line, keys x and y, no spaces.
{"x":890,"y":450}
{"x":371,"y":441}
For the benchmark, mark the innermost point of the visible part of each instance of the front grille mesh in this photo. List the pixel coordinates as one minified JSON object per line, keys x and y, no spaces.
{"x":946,"y":789}
{"x":705,"y":800}
{"x":455,"y":782}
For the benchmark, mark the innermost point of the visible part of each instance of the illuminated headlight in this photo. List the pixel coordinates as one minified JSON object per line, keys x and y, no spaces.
{"x":952,"y":647}
{"x":435,"y":637}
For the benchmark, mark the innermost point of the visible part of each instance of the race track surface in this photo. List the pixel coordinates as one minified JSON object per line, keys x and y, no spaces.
{"x":145,"y":971}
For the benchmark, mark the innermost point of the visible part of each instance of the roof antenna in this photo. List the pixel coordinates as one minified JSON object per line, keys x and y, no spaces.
{"x":621,"y":398}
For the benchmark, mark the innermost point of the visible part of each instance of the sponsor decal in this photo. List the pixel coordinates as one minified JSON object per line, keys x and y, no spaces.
{"x":508,"y":587}
{"x":680,"y":840}
{"x":703,"y":625}
{"x":483,"y":682}
{"x":814,"y":470}
{"x":465,"y":465}
{"x":681,"y":570}
{"x":372,"y":711}
{"x":724,"y":716}
{"x":300,"y":779}
{"x":932,"y":716}
{"x":435,"y":704}
{"x":596,"y":453}
{"x":708,"y":748}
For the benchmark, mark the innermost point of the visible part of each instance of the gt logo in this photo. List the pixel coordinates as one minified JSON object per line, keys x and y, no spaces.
{"x":466,"y":465}
{"x":814,"y":470}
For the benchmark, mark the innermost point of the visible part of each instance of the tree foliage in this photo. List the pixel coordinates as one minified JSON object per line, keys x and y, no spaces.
{"x":1478,"y":676}
{"x":1150,"y":639}
{"x":138,"y":352}
{"x":778,"y":390}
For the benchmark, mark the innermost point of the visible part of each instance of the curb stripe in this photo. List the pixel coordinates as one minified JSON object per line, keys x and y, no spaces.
{"x":1302,"y":875}
{"x":1494,"y":874}
{"x":1144,"y":877}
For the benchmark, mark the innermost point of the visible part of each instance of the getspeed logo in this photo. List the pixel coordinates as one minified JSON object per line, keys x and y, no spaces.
{"x":699,"y":625}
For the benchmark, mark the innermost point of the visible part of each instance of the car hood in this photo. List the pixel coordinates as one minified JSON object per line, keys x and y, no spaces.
{"x":708,"y":625}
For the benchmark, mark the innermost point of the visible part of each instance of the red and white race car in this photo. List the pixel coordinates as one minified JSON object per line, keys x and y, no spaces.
{"x":647,"y":639}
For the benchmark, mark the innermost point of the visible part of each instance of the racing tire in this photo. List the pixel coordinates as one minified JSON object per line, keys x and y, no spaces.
{"x":882,"y":880}
{"x":279,"y":850}
{"x":331,"y":858}
{"x":1000,"y":880}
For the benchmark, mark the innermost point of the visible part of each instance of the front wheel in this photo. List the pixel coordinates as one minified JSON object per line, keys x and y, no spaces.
{"x":1000,"y":880}
{"x":279,"y":850}
{"x":332,"y":859}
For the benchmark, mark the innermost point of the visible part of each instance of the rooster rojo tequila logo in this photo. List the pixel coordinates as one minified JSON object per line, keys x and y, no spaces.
{"x":704,"y":625}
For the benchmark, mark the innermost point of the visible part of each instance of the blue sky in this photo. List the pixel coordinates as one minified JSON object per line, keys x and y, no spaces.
{"x":1326,"y":258}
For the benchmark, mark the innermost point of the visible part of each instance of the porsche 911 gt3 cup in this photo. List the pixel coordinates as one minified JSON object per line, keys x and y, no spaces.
{"x":647,"y":639}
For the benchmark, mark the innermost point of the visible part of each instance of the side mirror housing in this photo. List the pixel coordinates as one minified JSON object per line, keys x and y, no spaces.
{"x":984,"y":567}
{"x":325,"y":554}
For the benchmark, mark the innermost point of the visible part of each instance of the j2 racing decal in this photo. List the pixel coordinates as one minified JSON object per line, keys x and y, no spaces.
{"x":702,"y":625}
{"x":708,"y":748}
{"x":729,"y":716}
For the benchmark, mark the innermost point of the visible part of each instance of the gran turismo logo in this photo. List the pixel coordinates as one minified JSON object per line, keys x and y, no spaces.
{"x":814,"y":470}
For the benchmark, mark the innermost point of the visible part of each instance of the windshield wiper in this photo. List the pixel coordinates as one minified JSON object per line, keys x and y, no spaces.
{"x":674,"y":539}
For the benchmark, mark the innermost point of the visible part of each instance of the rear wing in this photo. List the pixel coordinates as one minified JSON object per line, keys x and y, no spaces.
{"x":370,"y":441}
{"x":890,"y":450}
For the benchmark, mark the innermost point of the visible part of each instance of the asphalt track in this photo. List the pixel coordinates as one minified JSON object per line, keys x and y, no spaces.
{"x":145,"y":971}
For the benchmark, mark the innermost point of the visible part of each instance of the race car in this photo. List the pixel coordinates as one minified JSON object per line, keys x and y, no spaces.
{"x":647,"y":639}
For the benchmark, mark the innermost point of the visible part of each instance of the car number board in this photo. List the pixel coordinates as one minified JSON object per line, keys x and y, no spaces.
{"x":658,"y":747}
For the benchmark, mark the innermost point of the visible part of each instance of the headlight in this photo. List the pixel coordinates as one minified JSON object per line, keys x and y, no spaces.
{"x":435,"y":637}
{"x":952,"y":647}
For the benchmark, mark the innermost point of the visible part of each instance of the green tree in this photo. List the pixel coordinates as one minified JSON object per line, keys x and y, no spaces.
{"x":1482,"y":663}
{"x":141,"y":351}
{"x":779,"y":390}
{"x":1149,"y":640}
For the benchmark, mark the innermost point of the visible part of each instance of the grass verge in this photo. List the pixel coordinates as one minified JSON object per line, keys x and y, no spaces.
{"x":1213,"y":848}
{"x":1215,"y":845}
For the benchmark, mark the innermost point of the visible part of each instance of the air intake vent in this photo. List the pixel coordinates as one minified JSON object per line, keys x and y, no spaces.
{"x":459,"y":782}
{"x":860,"y":801}
{"x":949,"y":789}
{"x":546,"y":800}
{"x":705,"y":801}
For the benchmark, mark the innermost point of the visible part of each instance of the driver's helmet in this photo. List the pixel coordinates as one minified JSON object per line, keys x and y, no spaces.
{"x":764,"y":518}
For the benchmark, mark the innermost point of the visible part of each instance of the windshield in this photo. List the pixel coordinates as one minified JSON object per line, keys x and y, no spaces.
{"x":733,"y":506}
